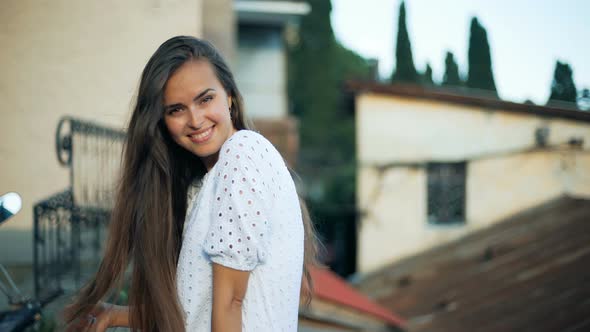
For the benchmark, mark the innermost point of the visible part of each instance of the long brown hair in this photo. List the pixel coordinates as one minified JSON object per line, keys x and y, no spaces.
{"x":148,"y":217}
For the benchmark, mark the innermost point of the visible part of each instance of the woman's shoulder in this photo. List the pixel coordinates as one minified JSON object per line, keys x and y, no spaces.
{"x":247,"y":137}
{"x":248,"y":146}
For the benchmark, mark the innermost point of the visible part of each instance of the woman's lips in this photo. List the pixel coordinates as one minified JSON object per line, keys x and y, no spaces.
{"x":202,"y":139}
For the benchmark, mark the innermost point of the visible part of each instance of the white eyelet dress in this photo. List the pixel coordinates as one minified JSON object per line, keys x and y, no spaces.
{"x":245,"y":216}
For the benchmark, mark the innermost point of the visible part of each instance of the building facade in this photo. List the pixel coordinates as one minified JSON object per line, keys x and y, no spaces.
{"x":76,"y":58}
{"x":84,"y":60}
{"x":434,"y":166}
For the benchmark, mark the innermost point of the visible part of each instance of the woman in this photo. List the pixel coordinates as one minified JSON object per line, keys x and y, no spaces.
{"x":233,"y":259}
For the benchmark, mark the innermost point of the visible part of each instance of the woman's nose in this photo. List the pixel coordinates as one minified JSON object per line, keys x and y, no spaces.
{"x":194,"y":118}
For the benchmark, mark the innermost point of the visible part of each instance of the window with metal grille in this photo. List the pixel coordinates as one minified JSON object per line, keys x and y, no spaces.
{"x":446,"y":193}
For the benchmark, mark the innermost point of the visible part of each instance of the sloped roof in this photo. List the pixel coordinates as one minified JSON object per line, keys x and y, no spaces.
{"x":330,"y":287}
{"x":469,"y":97}
{"x":530,"y":272}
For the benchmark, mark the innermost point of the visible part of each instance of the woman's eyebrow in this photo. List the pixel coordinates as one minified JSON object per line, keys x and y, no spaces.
{"x":194,"y":99}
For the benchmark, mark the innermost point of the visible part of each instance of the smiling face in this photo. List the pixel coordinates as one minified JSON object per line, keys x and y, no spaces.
{"x":196,"y":110}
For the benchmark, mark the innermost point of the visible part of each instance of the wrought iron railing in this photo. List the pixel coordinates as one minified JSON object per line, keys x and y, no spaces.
{"x":69,"y":226}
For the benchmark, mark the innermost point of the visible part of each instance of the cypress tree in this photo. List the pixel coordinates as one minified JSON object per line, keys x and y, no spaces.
{"x":451,"y":76}
{"x":405,"y":70}
{"x":562,"y":86}
{"x":480,"y":74}
{"x":427,"y":76}
{"x":584,"y":100}
{"x":310,"y":71}
{"x":317,"y":66}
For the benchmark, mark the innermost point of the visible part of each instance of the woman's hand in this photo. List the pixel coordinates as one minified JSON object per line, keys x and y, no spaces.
{"x":98,"y":320}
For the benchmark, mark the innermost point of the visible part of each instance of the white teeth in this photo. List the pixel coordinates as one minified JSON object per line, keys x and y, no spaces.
{"x":202,"y":135}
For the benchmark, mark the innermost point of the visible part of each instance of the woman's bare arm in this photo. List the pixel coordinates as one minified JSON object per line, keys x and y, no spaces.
{"x":105,"y":315}
{"x":119,"y":316}
{"x":229,"y":289}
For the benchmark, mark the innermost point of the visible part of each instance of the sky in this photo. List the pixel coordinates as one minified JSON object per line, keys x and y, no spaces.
{"x":526,"y":38}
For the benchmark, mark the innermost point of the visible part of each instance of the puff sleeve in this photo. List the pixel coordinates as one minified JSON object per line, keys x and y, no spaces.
{"x":240,"y":227}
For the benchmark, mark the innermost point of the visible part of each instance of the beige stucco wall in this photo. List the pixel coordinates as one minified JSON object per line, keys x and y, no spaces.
{"x":69,"y":57}
{"x":415,"y":130}
{"x":505,"y":172}
{"x":500,"y":187}
{"x":219,"y":27}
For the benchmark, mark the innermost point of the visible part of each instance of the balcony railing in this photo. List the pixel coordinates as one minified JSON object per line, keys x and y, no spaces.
{"x":69,"y":226}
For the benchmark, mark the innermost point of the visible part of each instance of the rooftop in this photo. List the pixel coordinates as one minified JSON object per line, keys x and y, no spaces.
{"x":468,"y":97}
{"x":530,"y":272}
{"x":328,"y":286}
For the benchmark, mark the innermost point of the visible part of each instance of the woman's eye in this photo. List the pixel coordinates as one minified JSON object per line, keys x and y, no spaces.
{"x":173,"y":111}
{"x":206,"y":99}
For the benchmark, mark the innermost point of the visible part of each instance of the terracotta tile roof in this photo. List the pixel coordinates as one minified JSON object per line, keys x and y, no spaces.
{"x":470,"y":97}
{"x":530,"y":272}
{"x":330,"y":287}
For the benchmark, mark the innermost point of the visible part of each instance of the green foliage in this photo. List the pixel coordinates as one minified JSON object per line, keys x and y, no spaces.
{"x":123,"y":297}
{"x":563,"y":87}
{"x":427,"y":75}
{"x":47,"y":324}
{"x":480,"y":74}
{"x":451,"y":75}
{"x":405,"y":71}
{"x":318,"y":67}
{"x":310,"y":65}
{"x":584,"y":100}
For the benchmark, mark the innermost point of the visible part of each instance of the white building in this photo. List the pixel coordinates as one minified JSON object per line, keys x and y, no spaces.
{"x":434,"y":165}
